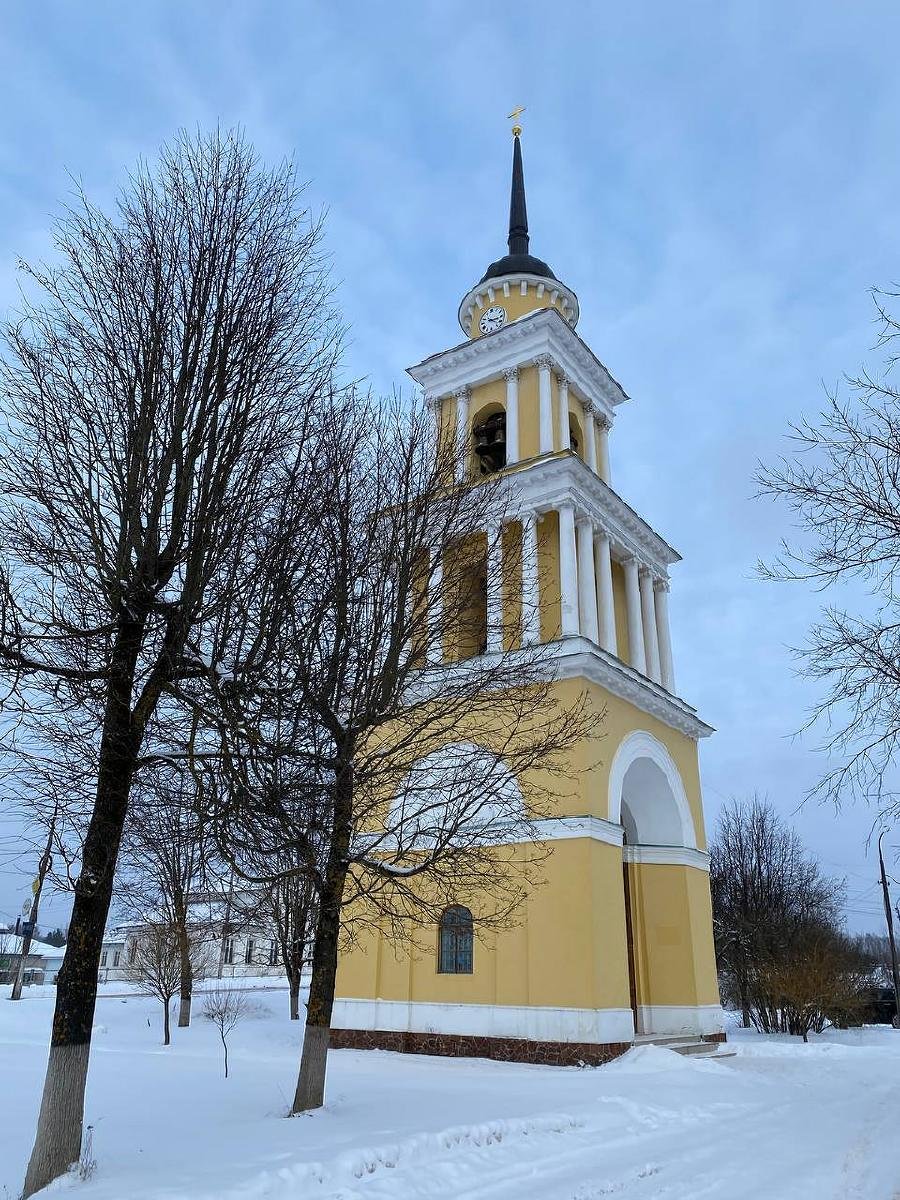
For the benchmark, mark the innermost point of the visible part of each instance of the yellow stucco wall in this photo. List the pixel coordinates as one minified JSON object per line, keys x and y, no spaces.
{"x":671,"y":923}
{"x":569,"y":948}
{"x":549,"y":959}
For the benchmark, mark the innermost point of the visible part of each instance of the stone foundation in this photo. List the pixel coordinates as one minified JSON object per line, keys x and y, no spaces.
{"x":464,"y":1045}
{"x":461,"y":1045}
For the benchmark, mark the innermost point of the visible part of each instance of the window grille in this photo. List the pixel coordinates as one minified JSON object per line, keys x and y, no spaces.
{"x":456,"y":941}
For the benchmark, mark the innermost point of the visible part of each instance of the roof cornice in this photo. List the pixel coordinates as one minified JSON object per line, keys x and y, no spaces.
{"x":543,"y":332}
{"x":541,"y":484}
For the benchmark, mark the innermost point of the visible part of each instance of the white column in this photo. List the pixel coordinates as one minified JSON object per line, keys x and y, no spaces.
{"x":590,"y":441}
{"x":545,"y":402}
{"x":435,"y":649}
{"x":512,"y":414}
{"x":603,"y":449}
{"x":565,"y":437}
{"x":633,"y":606}
{"x":664,"y":636}
{"x":531,"y":600}
{"x":495,"y":589}
{"x":433,"y":404}
{"x":568,"y":572}
{"x":587,"y":581}
{"x":606,"y":604}
{"x":462,"y":433}
{"x":648,"y":616}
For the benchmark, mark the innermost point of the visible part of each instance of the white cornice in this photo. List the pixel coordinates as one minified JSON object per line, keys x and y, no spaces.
{"x":572,"y":658}
{"x":486,"y":293}
{"x":543,"y":332}
{"x":542,"y":484}
{"x":564,"y":829}
{"x":577,"y":656}
{"x":667,"y":856}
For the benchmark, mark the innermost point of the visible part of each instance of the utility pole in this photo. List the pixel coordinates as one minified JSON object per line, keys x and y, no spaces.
{"x":29,"y":926}
{"x":889,"y":917}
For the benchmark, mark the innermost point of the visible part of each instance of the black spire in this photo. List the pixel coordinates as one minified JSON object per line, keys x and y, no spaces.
{"x":518,"y":261}
{"x":518,"y":214}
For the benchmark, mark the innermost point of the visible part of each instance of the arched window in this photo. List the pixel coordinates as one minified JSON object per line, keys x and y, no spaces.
{"x":456,"y":938}
{"x":489,"y":441}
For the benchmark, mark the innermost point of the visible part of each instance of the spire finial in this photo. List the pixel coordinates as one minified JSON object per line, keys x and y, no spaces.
{"x":514,"y":117}
{"x":518,"y":215}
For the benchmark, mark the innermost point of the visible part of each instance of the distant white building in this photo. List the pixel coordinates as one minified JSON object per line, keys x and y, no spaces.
{"x":41,"y":966}
{"x":241,"y":945}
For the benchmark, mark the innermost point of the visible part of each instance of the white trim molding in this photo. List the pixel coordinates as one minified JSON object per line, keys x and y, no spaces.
{"x":643,"y":745}
{"x":664,"y":1020}
{"x":564,"y":829}
{"x":544,"y":331}
{"x":576,"y":657}
{"x":667,"y":856}
{"x":595,"y":1026}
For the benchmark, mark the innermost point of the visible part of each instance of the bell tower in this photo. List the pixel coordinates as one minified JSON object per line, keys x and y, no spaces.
{"x":618,"y":943}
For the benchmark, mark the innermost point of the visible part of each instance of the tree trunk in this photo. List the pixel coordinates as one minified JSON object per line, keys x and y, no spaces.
{"x":186,"y":991}
{"x":294,"y":988}
{"x":166,"y":1031}
{"x":311,"y":1081}
{"x":745,"y":1005}
{"x":57,"y":1141}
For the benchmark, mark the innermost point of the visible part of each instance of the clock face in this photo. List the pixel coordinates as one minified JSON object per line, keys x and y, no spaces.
{"x":493,"y":319}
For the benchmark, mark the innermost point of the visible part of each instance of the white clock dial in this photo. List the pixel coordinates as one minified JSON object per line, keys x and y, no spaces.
{"x":493,"y":319}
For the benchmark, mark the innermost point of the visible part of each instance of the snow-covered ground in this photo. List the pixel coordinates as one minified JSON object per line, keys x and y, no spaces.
{"x":778,"y":1120}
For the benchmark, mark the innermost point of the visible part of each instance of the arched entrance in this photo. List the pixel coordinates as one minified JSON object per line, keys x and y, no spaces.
{"x":647,"y":798}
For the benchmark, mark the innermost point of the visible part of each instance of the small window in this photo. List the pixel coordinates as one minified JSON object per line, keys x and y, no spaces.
{"x":456,"y":938}
{"x":273,"y":954}
{"x":248,"y":952}
{"x":132,"y":951}
{"x":102,"y":958}
{"x":229,"y":951}
{"x":116,"y":958}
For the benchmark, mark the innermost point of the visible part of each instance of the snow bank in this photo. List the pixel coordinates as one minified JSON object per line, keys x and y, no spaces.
{"x":317,"y":1178}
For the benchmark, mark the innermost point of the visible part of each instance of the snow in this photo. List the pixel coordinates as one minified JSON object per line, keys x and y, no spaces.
{"x":11,"y":943}
{"x":778,"y":1121}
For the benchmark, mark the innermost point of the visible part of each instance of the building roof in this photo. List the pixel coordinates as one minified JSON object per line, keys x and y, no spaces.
{"x":11,"y":943}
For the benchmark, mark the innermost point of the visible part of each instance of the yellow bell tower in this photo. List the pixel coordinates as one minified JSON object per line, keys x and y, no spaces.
{"x":618,"y":944}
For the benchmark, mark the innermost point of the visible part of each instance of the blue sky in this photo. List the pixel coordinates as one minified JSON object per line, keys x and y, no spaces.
{"x":717,"y":182}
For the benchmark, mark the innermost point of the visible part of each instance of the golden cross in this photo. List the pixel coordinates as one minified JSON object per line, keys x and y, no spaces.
{"x":514,"y":117}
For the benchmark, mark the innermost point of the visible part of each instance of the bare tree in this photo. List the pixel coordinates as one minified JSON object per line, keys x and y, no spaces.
{"x":226,"y":1007}
{"x":842,"y":485}
{"x":765,"y":891}
{"x":157,"y":385}
{"x":167,"y":865}
{"x":291,"y":907}
{"x":154,"y":963}
{"x":822,"y":977}
{"x":400,"y":755}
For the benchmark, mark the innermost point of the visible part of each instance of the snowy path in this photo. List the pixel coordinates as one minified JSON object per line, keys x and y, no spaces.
{"x":779,"y":1121}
